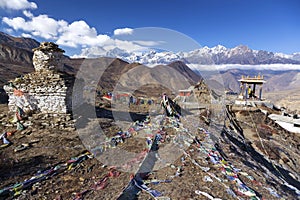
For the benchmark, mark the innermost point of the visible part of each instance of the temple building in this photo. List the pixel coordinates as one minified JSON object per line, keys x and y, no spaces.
{"x":251,"y":87}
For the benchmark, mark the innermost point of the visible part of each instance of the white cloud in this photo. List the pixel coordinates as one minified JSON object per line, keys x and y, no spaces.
{"x":9,"y":30}
{"x":17,"y":4}
{"x":130,"y":46}
{"x":15,"y":23}
{"x":41,"y":26}
{"x":28,"y":14}
{"x":245,"y":67}
{"x":80,"y":33}
{"x":123,"y":31}
{"x":26,"y":35}
{"x":148,"y":43}
{"x":77,"y":34}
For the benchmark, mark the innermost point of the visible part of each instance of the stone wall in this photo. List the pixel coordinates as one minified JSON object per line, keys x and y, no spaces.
{"x":44,"y":91}
{"x":47,"y":57}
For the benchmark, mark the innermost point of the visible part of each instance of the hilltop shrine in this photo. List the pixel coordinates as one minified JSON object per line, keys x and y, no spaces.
{"x":48,"y":89}
{"x":249,"y":87}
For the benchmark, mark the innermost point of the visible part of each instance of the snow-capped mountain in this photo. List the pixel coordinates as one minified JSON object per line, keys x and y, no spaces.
{"x":204,"y":56}
{"x":296,"y":56}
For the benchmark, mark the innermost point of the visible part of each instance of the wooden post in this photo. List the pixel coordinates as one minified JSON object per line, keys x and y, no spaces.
{"x":260,"y":93}
{"x":246,"y":91}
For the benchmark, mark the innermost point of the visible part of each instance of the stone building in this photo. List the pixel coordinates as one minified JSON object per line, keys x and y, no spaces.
{"x":48,"y":89}
{"x":195,"y":97}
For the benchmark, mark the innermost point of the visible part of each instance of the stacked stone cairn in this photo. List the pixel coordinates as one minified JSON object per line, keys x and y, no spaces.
{"x":47,"y":92}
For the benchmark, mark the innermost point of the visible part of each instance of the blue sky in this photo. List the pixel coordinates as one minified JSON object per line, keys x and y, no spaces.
{"x":272,"y":25}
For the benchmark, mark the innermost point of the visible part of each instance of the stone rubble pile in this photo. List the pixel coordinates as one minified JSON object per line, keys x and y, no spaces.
{"x":41,"y":121}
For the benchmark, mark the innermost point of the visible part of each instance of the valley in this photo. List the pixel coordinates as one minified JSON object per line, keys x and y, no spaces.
{"x":110,"y":147}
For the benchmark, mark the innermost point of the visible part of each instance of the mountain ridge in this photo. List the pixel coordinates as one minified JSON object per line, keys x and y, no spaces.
{"x":206,"y":56}
{"x":217,"y":55}
{"x":18,"y":42}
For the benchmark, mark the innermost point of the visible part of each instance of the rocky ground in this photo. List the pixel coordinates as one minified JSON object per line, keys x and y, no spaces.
{"x":290,"y":99}
{"x":262,"y":162}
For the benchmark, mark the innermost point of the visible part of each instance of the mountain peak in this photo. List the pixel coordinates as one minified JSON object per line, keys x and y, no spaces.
{"x":241,"y":48}
{"x":219,"y":47}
